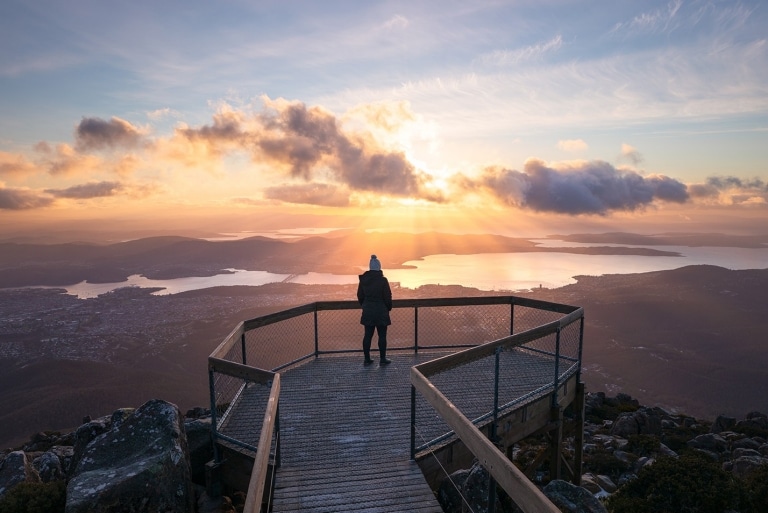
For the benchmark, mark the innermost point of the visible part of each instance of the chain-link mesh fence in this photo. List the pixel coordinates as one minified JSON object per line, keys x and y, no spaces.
{"x":500,"y":381}
{"x":281,"y":341}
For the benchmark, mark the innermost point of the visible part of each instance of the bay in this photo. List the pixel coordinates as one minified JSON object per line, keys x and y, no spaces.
{"x":498,"y":271}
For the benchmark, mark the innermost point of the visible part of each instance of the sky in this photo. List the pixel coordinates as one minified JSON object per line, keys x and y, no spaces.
{"x":588,"y":114}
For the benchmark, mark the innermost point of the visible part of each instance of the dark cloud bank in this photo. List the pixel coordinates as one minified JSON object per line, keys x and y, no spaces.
{"x":594,"y":187}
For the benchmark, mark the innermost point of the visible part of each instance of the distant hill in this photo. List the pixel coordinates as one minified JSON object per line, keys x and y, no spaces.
{"x":176,"y":257}
{"x":691,"y":339}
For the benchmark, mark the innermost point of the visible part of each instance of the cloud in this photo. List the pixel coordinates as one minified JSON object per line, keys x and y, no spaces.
{"x":630,"y":154}
{"x":511,"y":57}
{"x":308,"y":143}
{"x":572,"y":145}
{"x":310,"y":193}
{"x":88,"y":190}
{"x":22,"y":199}
{"x":731,"y":190}
{"x":65,"y":160}
{"x":15,"y":166}
{"x":99,"y":134}
{"x":593,"y":187}
{"x":396,"y":22}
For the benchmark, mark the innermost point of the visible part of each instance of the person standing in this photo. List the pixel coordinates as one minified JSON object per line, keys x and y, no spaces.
{"x":375,"y":296}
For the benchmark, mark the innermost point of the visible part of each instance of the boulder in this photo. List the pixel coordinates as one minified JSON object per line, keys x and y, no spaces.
{"x":86,"y":433}
{"x":644,"y":421}
{"x":14,"y":469}
{"x":200,"y":446}
{"x":449,"y":494}
{"x":710,"y":442}
{"x":475,"y":489}
{"x":139,"y":465}
{"x":606,"y":483}
{"x":472,"y":485}
{"x":723,"y":423}
{"x":746,"y":443}
{"x":571,"y":498}
{"x":745,"y":465}
{"x":48,"y":466}
{"x":755,"y":421}
{"x":589,"y":482}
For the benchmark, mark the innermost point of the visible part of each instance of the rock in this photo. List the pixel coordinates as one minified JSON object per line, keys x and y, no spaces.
{"x":448,"y":495}
{"x":139,"y":465}
{"x":39,"y":442}
{"x":86,"y":433}
{"x":589,"y":482}
{"x":200,"y":446}
{"x":755,"y":421}
{"x":15,"y":469}
{"x":644,"y":421}
{"x":744,"y":465}
{"x":48,"y":466}
{"x":709,"y":442}
{"x":723,"y":423}
{"x":571,"y":498}
{"x":746,"y":443}
{"x":606,"y":483}
{"x":475,"y":489}
{"x":65,"y":454}
{"x":666,"y":451}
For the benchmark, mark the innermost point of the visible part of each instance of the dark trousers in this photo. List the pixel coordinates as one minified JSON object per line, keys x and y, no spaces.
{"x":382,"y":330}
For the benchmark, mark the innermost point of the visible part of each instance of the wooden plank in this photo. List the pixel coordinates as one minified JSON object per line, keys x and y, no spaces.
{"x":259,"y":472}
{"x":239,"y":370}
{"x":529,"y":498}
{"x":283,"y":315}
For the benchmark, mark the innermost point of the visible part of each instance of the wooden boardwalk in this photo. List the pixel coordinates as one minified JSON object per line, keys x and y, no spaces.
{"x":345,"y":432}
{"x":345,"y":428}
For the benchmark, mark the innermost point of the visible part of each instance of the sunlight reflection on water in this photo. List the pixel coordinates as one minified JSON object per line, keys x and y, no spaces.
{"x":500,"y":271}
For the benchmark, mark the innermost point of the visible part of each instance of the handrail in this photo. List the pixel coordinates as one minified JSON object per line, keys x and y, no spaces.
{"x":261,"y":461}
{"x":526,"y":495}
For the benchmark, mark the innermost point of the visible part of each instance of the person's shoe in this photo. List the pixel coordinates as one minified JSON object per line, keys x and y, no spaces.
{"x":384,"y":361}
{"x":367,"y":362}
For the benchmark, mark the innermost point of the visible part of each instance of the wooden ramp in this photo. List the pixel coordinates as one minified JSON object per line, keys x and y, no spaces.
{"x":345,"y":432}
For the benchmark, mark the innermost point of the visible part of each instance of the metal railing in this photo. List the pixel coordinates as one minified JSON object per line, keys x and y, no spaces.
{"x":250,"y":358}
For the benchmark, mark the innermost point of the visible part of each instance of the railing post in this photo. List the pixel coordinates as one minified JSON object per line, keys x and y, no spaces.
{"x":511,"y":318}
{"x":242,"y":347}
{"x":491,"y":480}
{"x":214,"y":428}
{"x":413,"y":423}
{"x":416,"y":329}
{"x":581,"y":345}
{"x":317,"y":338}
{"x":557,"y":368}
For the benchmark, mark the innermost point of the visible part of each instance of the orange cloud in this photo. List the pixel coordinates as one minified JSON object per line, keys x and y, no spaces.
{"x":15,"y":166}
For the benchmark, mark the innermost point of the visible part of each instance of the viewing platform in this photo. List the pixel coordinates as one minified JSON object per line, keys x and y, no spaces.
{"x":321,"y":432}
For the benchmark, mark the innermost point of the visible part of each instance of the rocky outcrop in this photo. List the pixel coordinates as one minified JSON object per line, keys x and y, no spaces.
{"x":16,"y":468}
{"x":470,"y":486}
{"x":644,"y":421}
{"x":139,"y":464}
{"x":570,"y":498}
{"x":135,"y":460}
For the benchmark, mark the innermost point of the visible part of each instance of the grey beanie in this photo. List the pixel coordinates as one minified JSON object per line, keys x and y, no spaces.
{"x":375,"y":265}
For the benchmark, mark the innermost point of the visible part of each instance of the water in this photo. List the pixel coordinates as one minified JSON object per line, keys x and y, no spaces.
{"x":501,"y":271}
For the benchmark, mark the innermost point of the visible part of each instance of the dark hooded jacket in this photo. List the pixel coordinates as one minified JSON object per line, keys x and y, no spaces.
{"x":375,"y":296}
